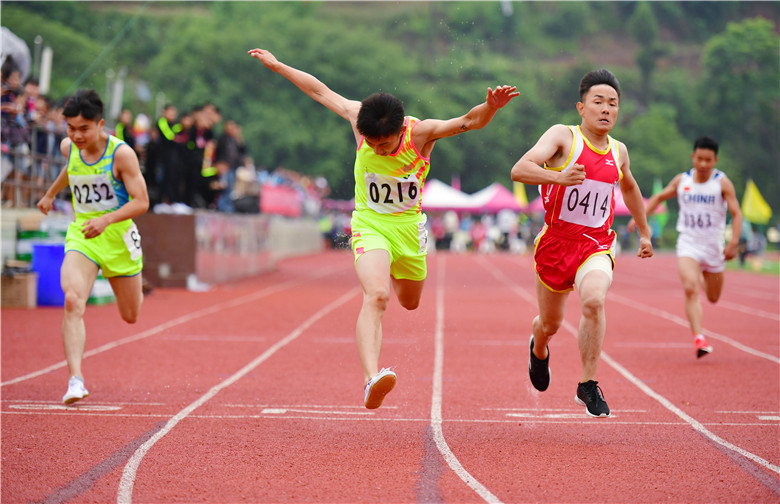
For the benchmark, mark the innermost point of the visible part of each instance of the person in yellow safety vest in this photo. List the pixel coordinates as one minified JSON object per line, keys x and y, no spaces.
{"x":124,"y":128}
{"x":169,"y":169}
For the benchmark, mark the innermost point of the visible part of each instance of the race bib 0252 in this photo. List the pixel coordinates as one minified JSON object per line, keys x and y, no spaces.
{"x":93,"y":193}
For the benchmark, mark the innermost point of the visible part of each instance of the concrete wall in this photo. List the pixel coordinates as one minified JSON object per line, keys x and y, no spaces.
{"x":205,"y":246}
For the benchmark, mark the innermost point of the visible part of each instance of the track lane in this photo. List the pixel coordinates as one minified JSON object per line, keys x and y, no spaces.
{"x":641,"y":411}
{"x":275,"y":436}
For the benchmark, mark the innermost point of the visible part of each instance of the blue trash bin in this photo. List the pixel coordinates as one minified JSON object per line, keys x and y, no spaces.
{"x":46,"y":261}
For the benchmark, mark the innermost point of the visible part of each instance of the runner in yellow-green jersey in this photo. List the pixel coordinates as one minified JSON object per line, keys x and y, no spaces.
{"x":389,"y":239}
{"x":108,"y":191}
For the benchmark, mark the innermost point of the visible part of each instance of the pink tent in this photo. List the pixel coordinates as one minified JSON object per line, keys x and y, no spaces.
{"x":493,"y":198}
{"x":620,"y":206}
{"x":536,"y":206}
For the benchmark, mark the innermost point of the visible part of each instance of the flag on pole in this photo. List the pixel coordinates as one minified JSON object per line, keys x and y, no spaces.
{"x":754,"y":208}
{"x":520,"y":195}
{"x":661,"y":214}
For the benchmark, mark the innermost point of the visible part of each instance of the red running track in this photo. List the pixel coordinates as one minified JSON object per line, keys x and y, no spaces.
{"x":252,"y":392}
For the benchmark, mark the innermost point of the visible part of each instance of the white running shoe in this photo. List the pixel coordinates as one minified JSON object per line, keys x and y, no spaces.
{"x":378,"y":387}
{"x":76,"y":390}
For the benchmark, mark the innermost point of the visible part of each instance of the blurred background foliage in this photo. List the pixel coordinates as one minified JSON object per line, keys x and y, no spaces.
{"x":686,"y":68}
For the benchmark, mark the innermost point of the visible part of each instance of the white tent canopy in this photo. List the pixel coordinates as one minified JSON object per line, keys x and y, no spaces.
{"x":439,"y":196}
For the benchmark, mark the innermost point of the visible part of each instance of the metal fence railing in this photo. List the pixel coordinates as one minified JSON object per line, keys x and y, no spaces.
{"x":28,"y":169}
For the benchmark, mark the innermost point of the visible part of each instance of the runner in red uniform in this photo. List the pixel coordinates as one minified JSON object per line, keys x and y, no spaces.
{"x":577,"y":168}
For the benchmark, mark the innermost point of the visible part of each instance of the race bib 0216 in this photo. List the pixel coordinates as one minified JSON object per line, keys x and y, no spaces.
{"x":386,"y":194}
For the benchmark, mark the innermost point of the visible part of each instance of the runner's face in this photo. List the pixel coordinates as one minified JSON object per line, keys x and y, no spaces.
{"x":384,"y":146}
{"x":84,"y":133}
{"x":599,"y":108}
{"x":704,"y":161}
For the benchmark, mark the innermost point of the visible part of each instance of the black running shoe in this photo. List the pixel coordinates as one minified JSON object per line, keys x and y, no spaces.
{"x":539,"y":370}
{"x":589,"y":395}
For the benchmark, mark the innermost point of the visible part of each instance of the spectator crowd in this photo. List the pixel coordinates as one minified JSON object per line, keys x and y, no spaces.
{"x":191,"y":159}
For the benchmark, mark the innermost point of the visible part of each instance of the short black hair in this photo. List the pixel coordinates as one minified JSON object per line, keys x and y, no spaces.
{"x":706,"y":142}
{"x":596,"y":77}
{"x":84,"y":103}
{"x":9,"y":67}
{"x":381,"y":115}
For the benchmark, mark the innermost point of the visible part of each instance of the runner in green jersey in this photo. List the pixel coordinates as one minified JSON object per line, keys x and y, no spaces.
{"x":108,"y":191}
{"x":389,"y":238}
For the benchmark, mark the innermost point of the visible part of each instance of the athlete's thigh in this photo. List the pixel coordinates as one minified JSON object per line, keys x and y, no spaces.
{"x":78,"y":274}
{"x":713,"y":284}
{"x":129,"y":294}
{"x":552,"y":305}
{"x":689,"y":270}
{"x":373,"y":270}
{"x":408,"y":292}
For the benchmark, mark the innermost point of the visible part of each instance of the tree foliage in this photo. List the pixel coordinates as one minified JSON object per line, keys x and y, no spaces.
{"x":716,"y":73}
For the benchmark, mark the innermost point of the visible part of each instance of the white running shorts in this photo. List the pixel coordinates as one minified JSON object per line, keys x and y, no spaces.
{"x":707,"y":252}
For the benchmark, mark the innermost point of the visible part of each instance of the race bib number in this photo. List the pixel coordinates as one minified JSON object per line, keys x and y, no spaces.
{"x":93,"y":193}
{"x":587,"y":204}
{"x":697,"y":221}
{"x":132,"y":240}
{"x":387,"y":194}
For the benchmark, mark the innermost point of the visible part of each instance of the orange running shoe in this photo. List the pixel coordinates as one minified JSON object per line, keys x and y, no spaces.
{"x":702,"y":347}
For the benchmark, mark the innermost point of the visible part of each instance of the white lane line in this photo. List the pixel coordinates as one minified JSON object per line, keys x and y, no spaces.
{"x":682,"y":322}
{"x":173,"y":323}
{"x":436,"y":400}
{"x":580,"y":419}
{"x":284,"y":411}
{"x":748,"y":310}
{"x":125,"y":493}
{"x":697,"y":426}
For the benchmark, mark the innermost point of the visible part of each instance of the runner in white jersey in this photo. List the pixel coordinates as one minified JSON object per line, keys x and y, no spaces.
{"x":704,"y":194}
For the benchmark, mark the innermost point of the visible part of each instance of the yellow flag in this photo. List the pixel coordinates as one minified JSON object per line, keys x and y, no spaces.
{"x":520,"y":195}
{"x":754,"y":208}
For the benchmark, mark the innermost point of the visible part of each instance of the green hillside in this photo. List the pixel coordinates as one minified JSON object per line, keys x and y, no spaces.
{"x":686,"y":68}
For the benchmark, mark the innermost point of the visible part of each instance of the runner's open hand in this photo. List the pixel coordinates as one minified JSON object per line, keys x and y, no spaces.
{"x":265,"y":57}
{"x":501,"y":96}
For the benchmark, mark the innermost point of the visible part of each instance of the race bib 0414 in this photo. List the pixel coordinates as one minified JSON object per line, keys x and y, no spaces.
{"x":587,"y":204}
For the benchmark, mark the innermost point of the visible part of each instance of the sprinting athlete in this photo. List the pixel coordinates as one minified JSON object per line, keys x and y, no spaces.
{"x":704,"y":193}
{"x":578,"y":168}
{"x":108,"y":191}
{"x":389,"y":239}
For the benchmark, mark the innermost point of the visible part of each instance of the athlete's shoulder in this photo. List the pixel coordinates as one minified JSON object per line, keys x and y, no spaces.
{"x":718,"y":175}
{"x":65,"y":146}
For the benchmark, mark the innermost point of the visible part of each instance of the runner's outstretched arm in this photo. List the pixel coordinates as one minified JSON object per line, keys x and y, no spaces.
{"x":317,"y":90}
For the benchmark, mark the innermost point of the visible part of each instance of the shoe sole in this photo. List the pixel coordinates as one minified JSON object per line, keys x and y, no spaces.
{"x":71,"y":400}
{"x":701,"y":352}
{"x":582,"y":403}
{"x":549,"y":373}
{"x":379,"y":390}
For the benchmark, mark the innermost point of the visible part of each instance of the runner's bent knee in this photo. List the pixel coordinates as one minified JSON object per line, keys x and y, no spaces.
{"x":377,"y":298}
